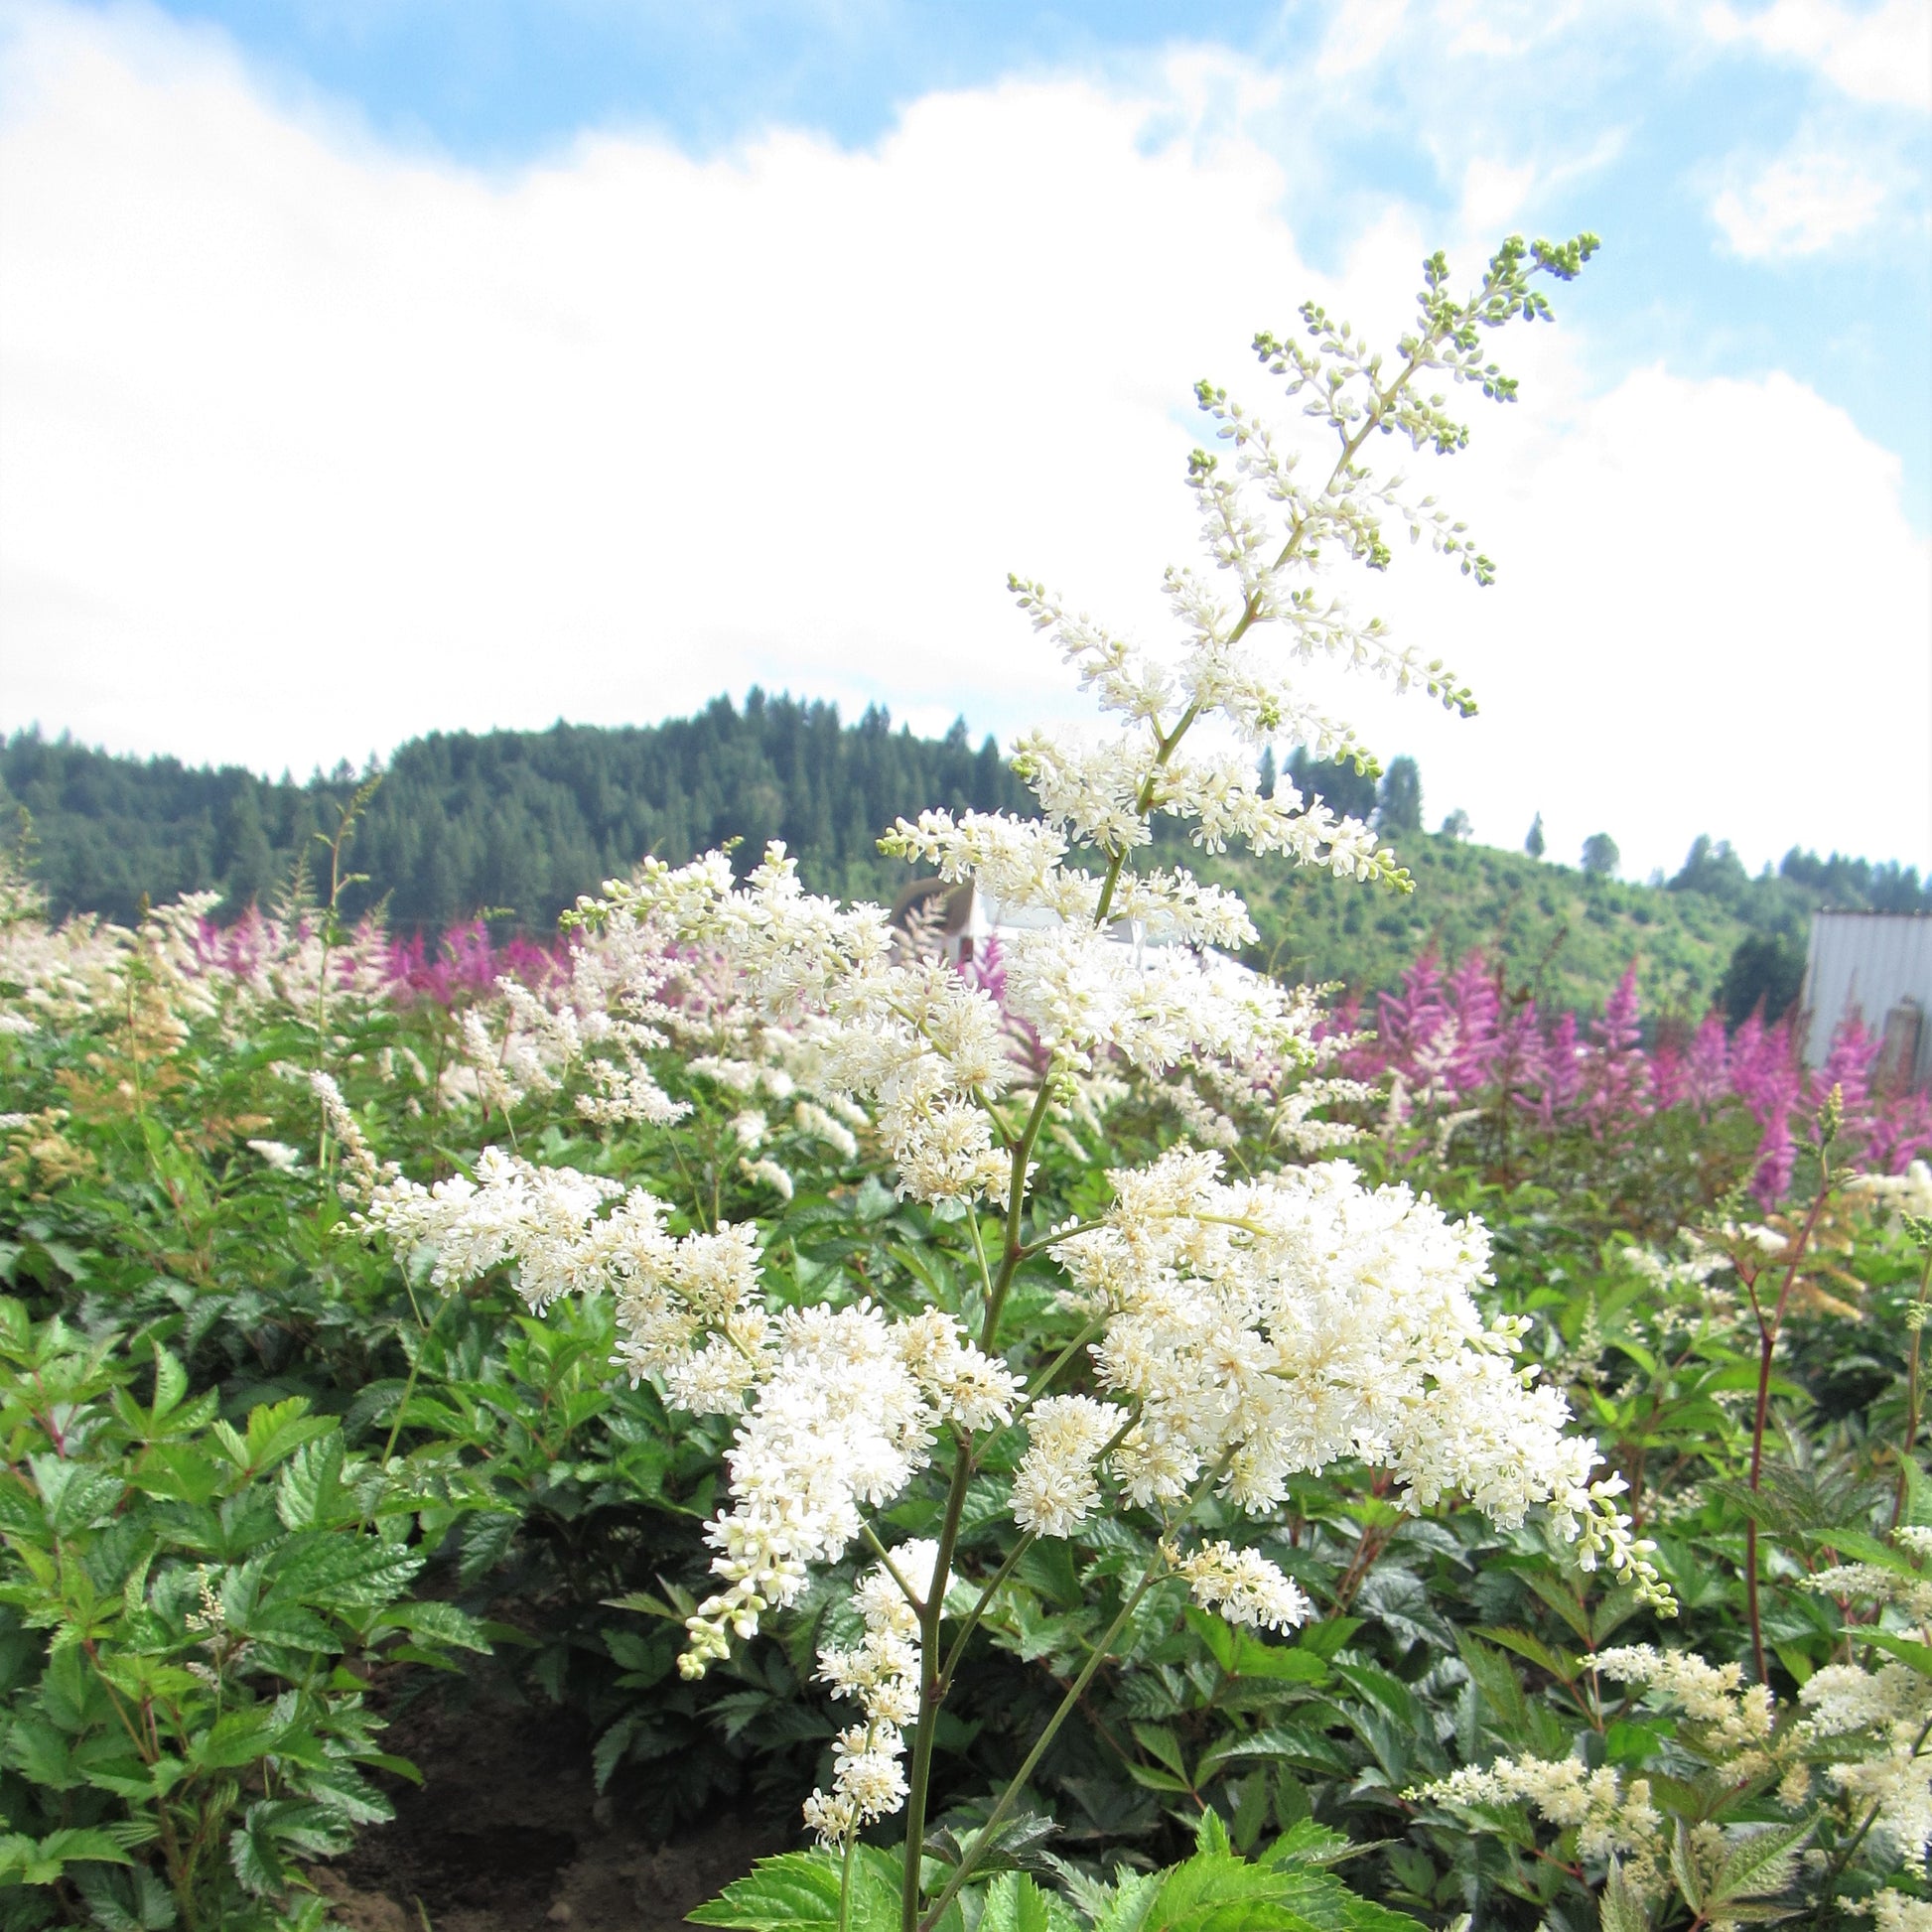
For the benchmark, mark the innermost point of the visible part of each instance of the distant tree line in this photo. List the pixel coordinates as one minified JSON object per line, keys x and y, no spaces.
{"x":1767,"y":970}
{"x":517,"y":823}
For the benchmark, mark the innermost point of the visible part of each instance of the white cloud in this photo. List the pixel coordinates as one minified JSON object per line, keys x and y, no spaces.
{"x":1358,"y":36}
{"x":1798,"y":205}
{"x":306,"y":447}
{"x":1712,"y":616}
{"x":1493,"y":194}
{"x":1882,"y":53}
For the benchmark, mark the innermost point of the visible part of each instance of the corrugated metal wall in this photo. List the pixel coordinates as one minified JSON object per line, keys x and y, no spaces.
{"x":1878,"y":964}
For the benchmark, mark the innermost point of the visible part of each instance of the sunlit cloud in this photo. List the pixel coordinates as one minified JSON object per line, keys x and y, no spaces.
{"x":1358,"y":35}
{"x":1799,"y":205}
{"x":1877,"y":54}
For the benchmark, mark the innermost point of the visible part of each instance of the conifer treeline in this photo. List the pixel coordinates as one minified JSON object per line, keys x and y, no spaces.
{"x":522,"y":821}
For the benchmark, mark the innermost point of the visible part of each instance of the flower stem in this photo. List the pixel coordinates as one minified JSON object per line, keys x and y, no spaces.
{"x":1009,"y":1796}
{"x":845,"y":1881}
{"x":1767,"y":1334}
{"x":1857,"y":1838}
{"x":979,"y":1610}
{"x":1102,"y":1650}
{"x":932,"y":1688}
{"x":1912,"y":1391}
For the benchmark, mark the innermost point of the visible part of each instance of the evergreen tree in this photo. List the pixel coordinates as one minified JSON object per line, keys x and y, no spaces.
{"x":1767,"y":971}
{"x":1398,"y":806}
{"x":244,"y":861}
{"x":1335,"y":781}
{"x":1535,"y":845}
{"x":1714,"y":869}
{"x":1600,"y":855}
{"x":521,"y":820}
{"x":1265,"y":777}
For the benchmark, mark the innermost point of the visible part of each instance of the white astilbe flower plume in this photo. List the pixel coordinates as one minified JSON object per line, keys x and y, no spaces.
{"x":1611,"y":1817}
{"x":688,"y":1308}
{"x":844,"y":1417}
{"x":1734,"y":1720}
{"x":1058,"y":1482}
{"x":1248,"y":1332}
{"x":1282,"y":1323}
{"x":882,"y":1673}
{"x":1243,"y":1586}
{"x":1881,"y":1719}
{"x":916,"y":1042}
{"x":1896,"y":1912}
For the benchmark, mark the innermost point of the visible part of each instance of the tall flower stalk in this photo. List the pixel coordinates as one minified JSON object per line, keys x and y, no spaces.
{"x":1234,"y":1334}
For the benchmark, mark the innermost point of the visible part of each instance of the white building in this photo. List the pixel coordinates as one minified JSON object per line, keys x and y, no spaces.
{"x":1878,"y":966}
{"x":959,"y":919}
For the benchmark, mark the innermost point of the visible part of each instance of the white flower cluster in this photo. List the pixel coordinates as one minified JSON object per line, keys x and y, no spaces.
{"x":1896,"y":1912}
{"x":1243,"y":1586}
{"x":624,"y":995}
{"x":1885,"y":1716}
{"x":1905,"y":1193}
{"x":1912,"y":1595}
{"x":1695,"y":1290}
{"x":1734,"y":1720}
{"x":84,"y":967}
{"x":1088,"y":996}
{"x":845,"y":1403}
{"x":1879,"y":1720}
{"x":1251,"y":1331}
{"x":1611,"y":1817}
{"x":521,"y":1044}
{"x":1276,"y":1326}
{"x":881,"y":1674}
{"x":915,"y":1039}
{"x":1731,"y":1727}
{"x":688,"y":1308}
{"x":1057,"y":1483}
{"x":845,"y":1413}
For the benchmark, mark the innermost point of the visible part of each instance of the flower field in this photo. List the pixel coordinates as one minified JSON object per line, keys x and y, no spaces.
{"x":1092,"y":1440}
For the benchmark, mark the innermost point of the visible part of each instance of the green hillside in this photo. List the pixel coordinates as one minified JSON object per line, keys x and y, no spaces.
{"x":519,"y":823}
{"x":516,"y":821}
{"x":1563,"y":932}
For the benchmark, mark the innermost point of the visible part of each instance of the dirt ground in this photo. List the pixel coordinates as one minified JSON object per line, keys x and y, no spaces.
{"x":507,"y":1834}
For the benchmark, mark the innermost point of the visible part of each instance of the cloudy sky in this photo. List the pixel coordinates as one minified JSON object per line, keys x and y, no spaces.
{"x":369,"y":367}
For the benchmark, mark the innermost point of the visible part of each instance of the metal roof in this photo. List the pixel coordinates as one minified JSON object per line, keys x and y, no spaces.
{"x":1873,"y":964}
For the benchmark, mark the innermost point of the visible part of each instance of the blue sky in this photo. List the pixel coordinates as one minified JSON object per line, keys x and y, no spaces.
{"x":380,"y":368}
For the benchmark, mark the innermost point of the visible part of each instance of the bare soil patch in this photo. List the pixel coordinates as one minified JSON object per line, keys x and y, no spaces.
{"x":507,"y":1832}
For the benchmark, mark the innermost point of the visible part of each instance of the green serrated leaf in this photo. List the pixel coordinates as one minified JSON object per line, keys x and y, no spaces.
{"x":435,"y":1622}
{"x":1161,"y":1743}
{"x":1562,"y":1665}
{"x":1012,"y":1902}
{"x":72,"y":1845}
{"x":801,"y":1889}
{"x":1908,"y":1650}
{"x":1621,"y":1909}
{"x":1757,"y":1862}
{"x":1684,"y":1867}
{"x":308,"y":1491}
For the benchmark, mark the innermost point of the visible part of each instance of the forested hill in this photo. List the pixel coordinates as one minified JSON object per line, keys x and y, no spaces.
{"x":521,"y":821}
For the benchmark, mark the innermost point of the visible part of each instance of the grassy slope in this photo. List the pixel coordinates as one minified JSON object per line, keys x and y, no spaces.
{"x":1567,"y":935}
